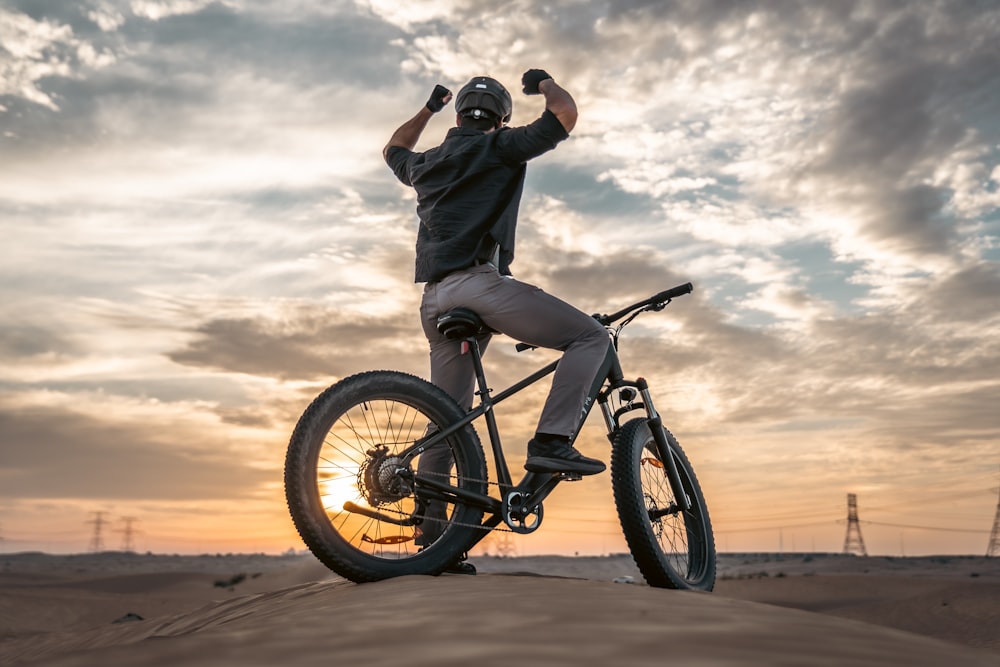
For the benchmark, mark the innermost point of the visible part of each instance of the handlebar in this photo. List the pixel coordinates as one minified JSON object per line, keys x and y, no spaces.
{"x":661,"y":298}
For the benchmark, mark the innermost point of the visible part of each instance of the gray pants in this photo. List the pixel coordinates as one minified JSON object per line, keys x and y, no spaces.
{"x":523,"y":312}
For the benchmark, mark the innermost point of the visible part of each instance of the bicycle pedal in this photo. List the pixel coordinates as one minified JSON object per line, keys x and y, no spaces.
{"x":570,"y":477}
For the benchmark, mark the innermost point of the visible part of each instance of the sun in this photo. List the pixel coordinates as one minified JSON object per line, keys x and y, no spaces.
{"x":337,"y":488}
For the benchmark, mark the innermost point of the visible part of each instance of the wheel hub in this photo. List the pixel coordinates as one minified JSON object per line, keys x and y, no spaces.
{"x":655,"y":518}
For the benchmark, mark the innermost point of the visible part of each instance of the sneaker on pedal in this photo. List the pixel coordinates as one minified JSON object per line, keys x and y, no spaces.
{"x":557,"y":456}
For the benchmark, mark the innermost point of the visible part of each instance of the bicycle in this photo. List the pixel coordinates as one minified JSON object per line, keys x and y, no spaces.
{"x":361,"y":504}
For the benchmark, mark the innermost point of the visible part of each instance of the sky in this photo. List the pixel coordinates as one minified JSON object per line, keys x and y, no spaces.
{"x":199,"y":235}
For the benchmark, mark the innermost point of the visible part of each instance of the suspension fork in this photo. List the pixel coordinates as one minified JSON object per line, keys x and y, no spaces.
{"x":663,"y":447}
{"x":615,"y":381}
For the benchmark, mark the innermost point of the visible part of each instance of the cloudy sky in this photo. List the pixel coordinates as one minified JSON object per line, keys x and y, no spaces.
{"x":199,"y":234}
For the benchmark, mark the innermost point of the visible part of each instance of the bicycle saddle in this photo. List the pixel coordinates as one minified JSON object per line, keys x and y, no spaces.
{"x":459,"y":323}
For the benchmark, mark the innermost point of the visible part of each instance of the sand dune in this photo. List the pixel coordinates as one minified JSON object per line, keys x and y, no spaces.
{"x":534,"y":611}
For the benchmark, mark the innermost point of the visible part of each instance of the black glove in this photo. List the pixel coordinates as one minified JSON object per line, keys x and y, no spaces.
{"x":439,"y":98}
{"x":531,"y":79}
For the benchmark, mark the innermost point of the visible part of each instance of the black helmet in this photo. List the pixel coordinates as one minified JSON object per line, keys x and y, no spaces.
{"x":484,"y":96}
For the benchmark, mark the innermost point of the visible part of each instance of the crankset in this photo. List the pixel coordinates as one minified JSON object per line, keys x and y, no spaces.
{"x":519,"y":517}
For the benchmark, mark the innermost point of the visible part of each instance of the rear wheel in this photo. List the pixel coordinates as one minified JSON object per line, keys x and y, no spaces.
{"x":672,"y":548}
{"x":361,"y":509}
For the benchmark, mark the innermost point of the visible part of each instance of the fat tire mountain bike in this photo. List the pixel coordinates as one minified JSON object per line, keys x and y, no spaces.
{"x":361,"y":503}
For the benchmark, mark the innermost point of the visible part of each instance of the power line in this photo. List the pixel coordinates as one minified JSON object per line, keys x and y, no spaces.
{"x":926,"y":499}
{"x":947,"y":530}
{"x":763,"y":529}
{"x":793,"y":516}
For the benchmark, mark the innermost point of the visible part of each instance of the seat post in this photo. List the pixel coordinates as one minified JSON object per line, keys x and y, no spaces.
{"x":476,"y":355}
{"x":503,"y":472}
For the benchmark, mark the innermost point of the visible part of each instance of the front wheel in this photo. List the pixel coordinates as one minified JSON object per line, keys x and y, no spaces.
{"x":672,"y":548}
{"x":360,"y":507}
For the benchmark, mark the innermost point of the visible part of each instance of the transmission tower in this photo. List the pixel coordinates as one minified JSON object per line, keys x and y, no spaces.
{"x":499,"y":544}
{"x":993,"y":549}
{"x":96,"y":541}
{"x":505,"y":545}
{"x":853,"y":542}
{"x":127,"y":534}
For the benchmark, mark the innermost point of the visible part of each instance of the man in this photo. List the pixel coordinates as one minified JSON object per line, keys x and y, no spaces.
{"x":468,"y":192}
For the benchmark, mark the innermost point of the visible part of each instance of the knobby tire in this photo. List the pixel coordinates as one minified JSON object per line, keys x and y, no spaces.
{"x":325,"y":465}
{"x":672,"y":551}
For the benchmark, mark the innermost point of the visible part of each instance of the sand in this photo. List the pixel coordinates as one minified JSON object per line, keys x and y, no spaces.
{"x":259,"y":610}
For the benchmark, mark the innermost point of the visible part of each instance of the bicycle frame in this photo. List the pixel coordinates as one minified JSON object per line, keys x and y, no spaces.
{"x":533,"y":488}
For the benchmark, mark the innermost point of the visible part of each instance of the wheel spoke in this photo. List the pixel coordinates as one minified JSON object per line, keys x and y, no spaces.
{"x":345,"y":449}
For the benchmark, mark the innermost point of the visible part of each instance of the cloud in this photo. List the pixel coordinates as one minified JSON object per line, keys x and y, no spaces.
{"x":51,"y":451}
{"x":311,"y":343}
{"x":204,"y":101}
{"x":154,"y":11}
{"x":970,"y":295}
{"x":32,"y":50}
{"x":198,"y":221}
{"x":21,"y":341}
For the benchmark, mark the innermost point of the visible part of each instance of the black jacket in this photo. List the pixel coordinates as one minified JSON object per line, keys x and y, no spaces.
{"x":468,"y":192}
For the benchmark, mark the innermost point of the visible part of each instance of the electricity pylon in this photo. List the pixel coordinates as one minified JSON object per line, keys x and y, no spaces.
{"x":853,"y":542}
{"x":128,"y":546}
{"x":96,"y":541}
{"x":993,"y":550}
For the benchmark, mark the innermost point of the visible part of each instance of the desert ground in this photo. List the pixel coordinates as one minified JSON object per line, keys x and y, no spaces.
{"x":114,"y":609}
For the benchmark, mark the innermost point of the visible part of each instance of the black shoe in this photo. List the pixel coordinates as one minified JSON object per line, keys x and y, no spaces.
{"x":460,"y":566}
{"x":558,"y":456}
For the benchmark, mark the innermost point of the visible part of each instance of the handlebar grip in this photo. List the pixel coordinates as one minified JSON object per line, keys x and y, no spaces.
{"x":673,"y":292}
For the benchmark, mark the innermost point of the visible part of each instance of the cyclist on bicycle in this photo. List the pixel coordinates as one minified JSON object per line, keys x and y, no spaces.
{"x":468,"y":191}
